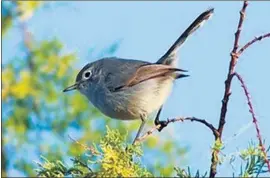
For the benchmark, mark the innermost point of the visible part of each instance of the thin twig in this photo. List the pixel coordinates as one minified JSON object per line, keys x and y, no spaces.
{"x":251,"y":110}
{"x":256,"y":39}
{"x":153,"y":129}
{"x":227,"y":92}
{"x":90,"y":148}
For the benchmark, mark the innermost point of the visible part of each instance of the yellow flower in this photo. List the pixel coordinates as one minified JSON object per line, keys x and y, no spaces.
{"x":64,"y":63}
{"x":7,"y":79}
{"x":62,"y":70}
{"x":114,"y":164}
{"x":23,"y":88}
{"x":5,"y":93}
{"x":26,"y":9}
{"x":50,"y":65}
{"x":7,"y":76}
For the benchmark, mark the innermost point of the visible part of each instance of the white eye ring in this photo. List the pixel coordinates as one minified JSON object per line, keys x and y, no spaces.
{"x":87,"y":74}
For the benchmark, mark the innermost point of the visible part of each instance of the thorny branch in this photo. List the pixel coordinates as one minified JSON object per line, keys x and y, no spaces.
{"x":235,"y":53}
{"x":234,"y":58}
{"x":227,"y":93}
{"x":251,"y":110}
{"x":231,"y":73}
{"x":182,"y":119}
{"x":256,"y":39}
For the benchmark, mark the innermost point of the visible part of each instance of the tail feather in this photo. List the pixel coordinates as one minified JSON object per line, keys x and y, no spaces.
{"x":169,"y":57}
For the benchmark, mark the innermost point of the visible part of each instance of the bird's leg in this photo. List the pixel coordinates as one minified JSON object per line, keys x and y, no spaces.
{"x":158,"y":122}
{"x":140,"y":129}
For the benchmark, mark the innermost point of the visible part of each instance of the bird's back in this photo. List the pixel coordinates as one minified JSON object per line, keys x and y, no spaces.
{"x":117,"y":71}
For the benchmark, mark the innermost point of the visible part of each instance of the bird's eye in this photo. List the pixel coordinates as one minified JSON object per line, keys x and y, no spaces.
{"x":87,"y":74}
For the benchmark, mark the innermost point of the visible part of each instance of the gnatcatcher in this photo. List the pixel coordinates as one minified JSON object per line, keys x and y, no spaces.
{"x":128,"y":89}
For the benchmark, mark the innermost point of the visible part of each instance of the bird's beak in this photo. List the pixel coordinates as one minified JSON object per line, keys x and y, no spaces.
{"x":72,"y":87}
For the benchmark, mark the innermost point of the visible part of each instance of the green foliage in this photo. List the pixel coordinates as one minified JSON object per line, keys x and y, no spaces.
{"x":115,"y":158}
{"x":8,"y":9}
{"x":25,"y":9}
{"x":254,"y":161}
{"x":6,"y":22}
{"x":37,"y":116}
{"x":218,"y":146}
{"x":35,"y":106}
{"x":21,"y":10}
{"x":182,"y":173}
{"x":32,"y":97}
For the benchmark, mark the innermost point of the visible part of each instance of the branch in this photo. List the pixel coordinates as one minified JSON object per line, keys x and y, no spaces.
{"x":227,"y":92}
{"x":85,"y":147}
{"x":234,"y":58}
{"x":256,"y":39}
{"x":251,"y":110}
{"x":182,"y":119}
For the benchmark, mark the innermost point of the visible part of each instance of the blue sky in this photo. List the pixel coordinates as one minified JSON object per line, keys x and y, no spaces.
{"x":146,"y":31}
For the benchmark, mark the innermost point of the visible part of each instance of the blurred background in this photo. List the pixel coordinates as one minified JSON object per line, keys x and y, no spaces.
{"x":45,"y":44}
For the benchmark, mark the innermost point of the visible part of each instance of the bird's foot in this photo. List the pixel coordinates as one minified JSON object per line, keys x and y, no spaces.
{"x":162,"y":124}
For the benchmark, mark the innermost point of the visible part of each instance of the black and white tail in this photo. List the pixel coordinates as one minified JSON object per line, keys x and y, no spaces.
{"x":169,"y":58}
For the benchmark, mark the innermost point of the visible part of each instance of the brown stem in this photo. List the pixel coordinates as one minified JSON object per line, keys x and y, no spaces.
{"x":234,"y":58}
{"x":85,"y":147}
{"x":207,"y":124}
{"x":256,"y":39}
{"x":251,"y":110}
{"x":227,"y":92}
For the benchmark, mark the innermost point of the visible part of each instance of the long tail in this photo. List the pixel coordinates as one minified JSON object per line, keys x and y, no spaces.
{"x":169,"y":56}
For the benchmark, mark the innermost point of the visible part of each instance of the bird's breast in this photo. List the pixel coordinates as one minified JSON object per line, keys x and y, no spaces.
{"x":133,"y":102}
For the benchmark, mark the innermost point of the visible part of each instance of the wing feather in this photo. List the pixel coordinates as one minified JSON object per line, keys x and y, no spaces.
{"x":127,"y":72}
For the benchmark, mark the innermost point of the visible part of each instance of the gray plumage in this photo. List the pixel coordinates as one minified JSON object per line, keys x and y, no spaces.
{"x":116,"y":71}
{"x":129,"y":89}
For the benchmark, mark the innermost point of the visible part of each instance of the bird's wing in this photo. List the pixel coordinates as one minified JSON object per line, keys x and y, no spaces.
{"x":118,"y":71}
{"x":127,"y":73}
{"x":150,"y":71}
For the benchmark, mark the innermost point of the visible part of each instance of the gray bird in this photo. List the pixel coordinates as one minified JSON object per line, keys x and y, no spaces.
{"x":128,"y":89}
